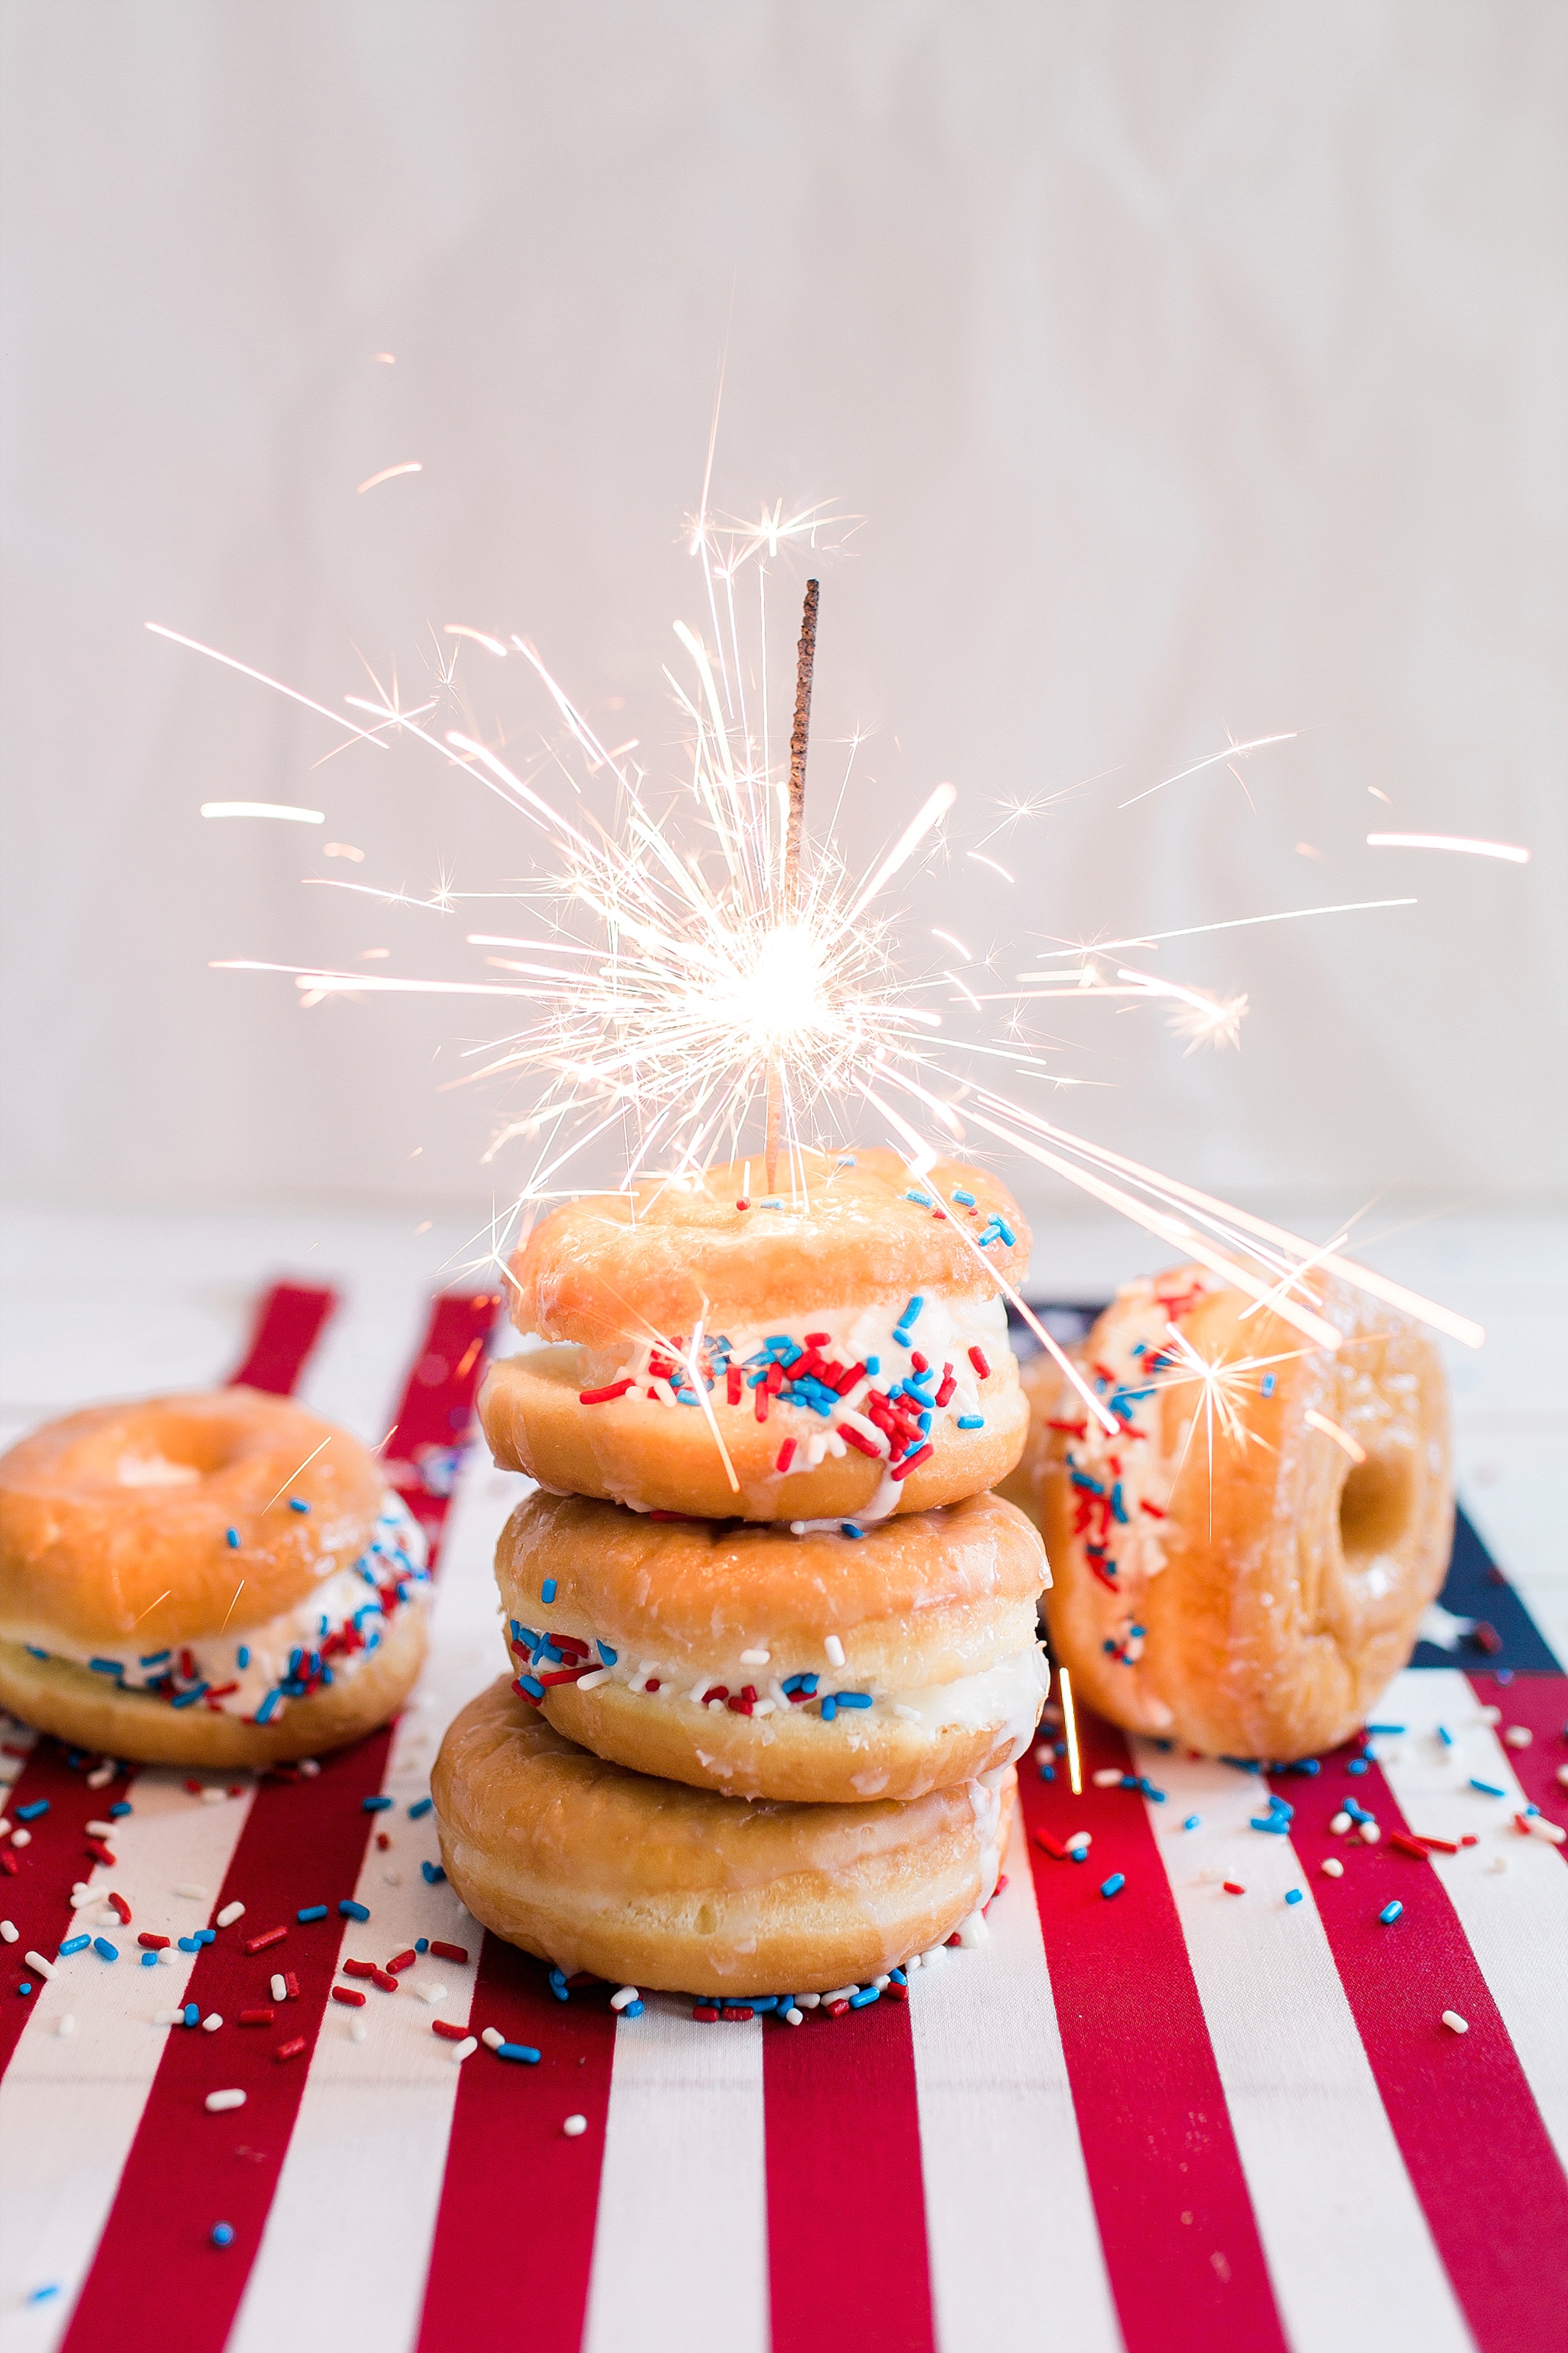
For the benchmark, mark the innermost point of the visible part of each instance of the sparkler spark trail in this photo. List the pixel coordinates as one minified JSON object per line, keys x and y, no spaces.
{"x":264,"y":808}
{"x":387,"y":473}
{"x":691,"y":979}
{"x":1069,"y":1732}
{"x":1508,"y":849}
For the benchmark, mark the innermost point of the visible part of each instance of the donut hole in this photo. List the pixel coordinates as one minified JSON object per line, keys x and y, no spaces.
{"x":1375,"y":1508}
{"x":163,"y":1450}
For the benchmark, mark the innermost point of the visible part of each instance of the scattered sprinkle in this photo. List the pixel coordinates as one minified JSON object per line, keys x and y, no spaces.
{"x":1455,"y":2023}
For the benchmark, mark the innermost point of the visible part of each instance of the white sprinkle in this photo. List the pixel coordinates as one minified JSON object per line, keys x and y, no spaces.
{"x":228,"y":1915}
{"x":108,"y":1918}
{"x":218,"y":2101}
{"x":358,"y":2030}
{"x":67,"y":2025}
{"x":1455,"y":2023}
{"x":9,"y":1930}
{"x":1079,"y":1838}
{"x":429,"y":1992}
{"x":593,"y":1681}
{"x":22,"y":1836}
{"x":574,"y":2125}
{"x":937,"y":1952}
{"x":1541,"y":1828}
{"x":808,"y":2001}
{"x":1109,"y":1777}
{"x":1563,"y":1776}
{"x":1498,"y":1862}
{"x":309,"y":1766}
{"x":100,"y":1829}
{"x":391,"y":1878}
{"x":214,"y":1796}
{"x":795,"y":2018}
{"x":1333,"y":1868}
{"x":169,"y":1956}
{"x":835,"y":1649}
{"x":913,"y":1963}
{"x":280,"y":1991}
{"x":882,"y":1983}
{"x":756,"y":1657}
{"x":492,"y":2038}
{"x":188,"y":1887}
{"x":464,"y":2049}
{"x":1518,"y":1735}
{"x":100,"y":1777}
{"x":1369,"y":1832}
{"x":211,"y":2022}
{"x":842,"y":1993}
{"x":1491,"y":1716}
{"x":1339,"y":1825}
{"x":168,"y":2018}
{"x":36,"y":1961}
{"x":624,"y":1994}
{"x":971,"y":1931}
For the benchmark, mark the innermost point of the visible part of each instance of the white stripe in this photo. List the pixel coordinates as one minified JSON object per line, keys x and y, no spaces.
{"x":1514,"y":1919}
{"x":680,"y":2252}
{"x":1349,"y":2255}
{"x":69,"y":2108}
{"x":1014,"y":2251}
{"x":369,"y":2143}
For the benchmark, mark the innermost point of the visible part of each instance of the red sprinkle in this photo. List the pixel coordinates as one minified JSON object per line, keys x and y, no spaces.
{"x":1416,"y":1847}
{"x":736,"y":2017}
{"x":1234,"y":1887}
{"x":858,"y":1440}
{"x":268,"y":1936}
{"x":1050,"y":1846}
{"x":153,"y":1944}
{"x":358,"y":1968}
{"x":978,"y":1359}
{"x":450,"y":1952}
{"x":345,"y":1993}
{"x":604,"y":1396}
{"x":383,"y":1841}
{"x":910,"y":1461}
{"x":733,"y":1384}
{"x":948,"y":1386}
{"x":841,"y":2008}
{"x":706,"y":2015}
{"x":895,"y":1991}
{"x":9,"y":1862}
{"x":99,"y":1852}
{"x":817,"y":1339}
{"x":292,"y":2050}
{"x":291,"y":1985}
{"x":257,"y":2017}
{"x":762,"y":1396}
{"x":1468,"y":1838}
{"x":385,"y":1980}
{"x":401,"y":1961}
{"x":193,"y":1786}
{"x":1437,"y":1846}
{"x":787,"y":1455}
{"x":447,"y":2032}
{"x":743,"y":1205}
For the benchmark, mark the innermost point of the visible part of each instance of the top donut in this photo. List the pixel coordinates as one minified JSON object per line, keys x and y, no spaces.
{"x":664,"y":1253}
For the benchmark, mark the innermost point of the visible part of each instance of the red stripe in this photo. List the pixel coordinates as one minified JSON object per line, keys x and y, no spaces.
{"x":1469,"y":2132}
{"x":847,"y":2229}
{"x":288,"y":1322}
{"x":514,"y":2231}
{"x":303,"y":1842}
{"x":1181,"y":2242}
{"x":1541,"y":1704}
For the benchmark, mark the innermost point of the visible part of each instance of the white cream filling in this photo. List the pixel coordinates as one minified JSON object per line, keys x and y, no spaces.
{"x":257,"y":1659}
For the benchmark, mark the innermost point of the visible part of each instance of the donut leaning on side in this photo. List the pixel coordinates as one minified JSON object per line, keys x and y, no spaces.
{"x":820,"y":1668}
{"x":652,"y":1883}
{"x":218,"y":1579}
{"x":707,"y":1353}
{"x":1247,"y":1579}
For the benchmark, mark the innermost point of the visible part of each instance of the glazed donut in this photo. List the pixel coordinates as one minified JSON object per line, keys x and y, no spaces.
{"x":1039,"y":1377}
{"x":651,"y":1884}
{"x":1262,"y":1610}
{"x":853,"y":1358}
{"x":815,"y":1668}
{"x":215,"y":1579}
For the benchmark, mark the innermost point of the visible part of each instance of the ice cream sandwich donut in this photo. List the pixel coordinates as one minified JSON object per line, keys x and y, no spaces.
{"x":823,"y":1668}
{"x":217,"y":1579}
{"x":1261,"y":1609}
{"x":654,"y":1884}
{"x":839,"y":1353}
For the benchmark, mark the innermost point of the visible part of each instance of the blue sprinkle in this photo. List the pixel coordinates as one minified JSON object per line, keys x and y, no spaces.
{"x":966,"y":1200}
{"x":1486,"y":1788}
{"x":1358,"y":1765}
{"x":421,"y":1944}
{"x":297,"y":1503}
{"x":911,"y":1311}
{"x":1156,"y":1796}
{"x":75,"y":1944}
{"x":1390,"y":1913}
{"x":899,"y":1976}
{"x":26,"y":1987}
{"x":421,"y":1807}
{"x":1118,"y":1507}
{"x":352,"y":1911}
{"x":524,"y":2052}
{"x":269,"y":1707}
{"x":1243,"y":1764}
{"x":205,"y":1936}
{"x":972,"y":1421}
{"x":30,"y":1813}
{"x":1445,"y":1736}
{"x":609,"y":1656}
{"x":222,"y":2232}
{"x":873,"y":1366}
{"x":148,"y":1961}
{"x":1048,"y":1772}
{"x":829,"y":1708}
{"x":155,"y":1658}
{"x":865,"y":1998}
{"x":1192,"y":1822}
{"x":312,"y":1912}
{"x":634,"y":2009}
{"x":42,"y":2294}
{"x":434,"y":1875}
{"x":1292,"y":1895}
{"x":762,"y":2002}
{"x":105,"y":1666}
{"x":33,"y":1650}
{"x":1385,"y":1728}
{"x":547,"y":1590}
{"x":187,"y":1945}
{"x":806,"y":1683}
{"x":191,"y":2015}
{"x":1357,"y":1813}
{"x":852,"y":1699}
{"x":1113,"y":1885}
{"x":233,"y":1535}
{"x":242,"y":1656}
{"x":376,"y":1804}
{"x":1306,"y":1765}
{"x":1266,"y":1385}
{"x":848,"y":1528}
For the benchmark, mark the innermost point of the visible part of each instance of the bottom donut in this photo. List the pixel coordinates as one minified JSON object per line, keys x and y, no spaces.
{"x":653,"y":1884}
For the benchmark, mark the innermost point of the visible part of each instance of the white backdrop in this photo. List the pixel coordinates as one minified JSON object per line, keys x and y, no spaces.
{"x":1195,"y":369}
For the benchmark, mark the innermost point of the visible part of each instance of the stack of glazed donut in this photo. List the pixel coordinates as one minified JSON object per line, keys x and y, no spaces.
{"x":773,"y":1643}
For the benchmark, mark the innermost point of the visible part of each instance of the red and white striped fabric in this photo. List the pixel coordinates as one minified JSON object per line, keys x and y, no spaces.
{"x":1171,"y":2118}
